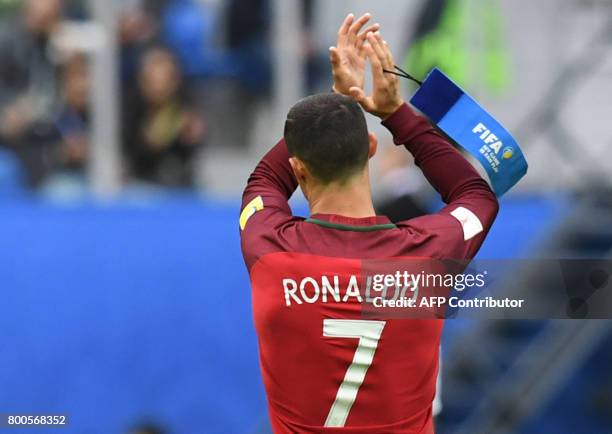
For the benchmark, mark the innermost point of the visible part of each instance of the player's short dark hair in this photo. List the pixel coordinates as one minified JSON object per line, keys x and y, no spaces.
{"x":328,"y":132}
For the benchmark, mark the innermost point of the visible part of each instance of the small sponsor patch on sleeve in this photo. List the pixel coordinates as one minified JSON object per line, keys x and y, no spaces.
{"x":470,"y":223}
{"x":251,"y":208}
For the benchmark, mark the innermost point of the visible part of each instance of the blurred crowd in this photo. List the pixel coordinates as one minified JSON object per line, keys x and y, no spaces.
{"x":185,"y":68}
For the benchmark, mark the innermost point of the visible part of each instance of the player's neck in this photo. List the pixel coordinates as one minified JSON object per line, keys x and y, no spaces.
{"x":352,"y":199}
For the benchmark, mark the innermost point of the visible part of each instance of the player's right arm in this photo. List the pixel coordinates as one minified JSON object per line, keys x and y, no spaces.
{"x":471,"y":204}
{"x":265,"y":202}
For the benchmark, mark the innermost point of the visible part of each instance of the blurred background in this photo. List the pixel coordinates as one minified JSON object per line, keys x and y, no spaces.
{"x":128,"y":129}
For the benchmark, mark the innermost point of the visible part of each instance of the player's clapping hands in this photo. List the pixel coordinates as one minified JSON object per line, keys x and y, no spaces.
{"x":348,"y":59}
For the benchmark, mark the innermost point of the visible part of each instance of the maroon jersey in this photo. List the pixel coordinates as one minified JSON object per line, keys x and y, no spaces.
{"x":325,"y":365}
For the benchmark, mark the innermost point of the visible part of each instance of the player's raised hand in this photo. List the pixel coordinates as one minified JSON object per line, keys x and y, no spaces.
{"x":386,"y":97}
{"x":348,"y":57}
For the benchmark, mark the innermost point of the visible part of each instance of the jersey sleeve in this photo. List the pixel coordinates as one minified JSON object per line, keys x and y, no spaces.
{"x":265,"y":208}
{"x":461,"y":226}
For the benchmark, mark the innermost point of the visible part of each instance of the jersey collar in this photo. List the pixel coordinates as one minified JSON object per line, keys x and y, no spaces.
{"x":363,"y":224}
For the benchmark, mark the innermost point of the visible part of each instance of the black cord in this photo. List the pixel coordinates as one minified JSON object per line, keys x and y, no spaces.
{"x":403,"y":74}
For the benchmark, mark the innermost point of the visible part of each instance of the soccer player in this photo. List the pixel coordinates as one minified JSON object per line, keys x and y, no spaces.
{"x":326,"y":368}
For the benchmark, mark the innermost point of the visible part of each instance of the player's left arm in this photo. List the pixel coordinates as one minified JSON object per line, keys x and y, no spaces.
{"x":459,"y":228}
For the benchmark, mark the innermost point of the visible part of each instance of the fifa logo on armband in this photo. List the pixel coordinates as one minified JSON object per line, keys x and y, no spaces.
{"x":490,"y":139}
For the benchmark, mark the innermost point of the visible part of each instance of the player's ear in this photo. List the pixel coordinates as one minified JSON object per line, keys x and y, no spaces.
{"x":373,"y":144}
{"x":299,"y":169}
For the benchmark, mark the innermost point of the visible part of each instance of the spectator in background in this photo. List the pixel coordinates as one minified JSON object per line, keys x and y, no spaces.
{"x":238,"y":76}
{"x":187,"y":27}
{"x":28,"y":74}
{"x":247,"y":26}
{"x":73,"y":118}
{"x":316,"y":61}
{"x":138,"y":28}
{"x":29,"y":91}
{"x":162,"y":131}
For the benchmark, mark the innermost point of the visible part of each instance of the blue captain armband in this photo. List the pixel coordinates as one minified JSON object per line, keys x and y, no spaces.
{"x":462,"y":119}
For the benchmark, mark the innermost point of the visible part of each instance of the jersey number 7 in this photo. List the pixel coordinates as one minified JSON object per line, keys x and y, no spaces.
{"x":368,"y":333}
